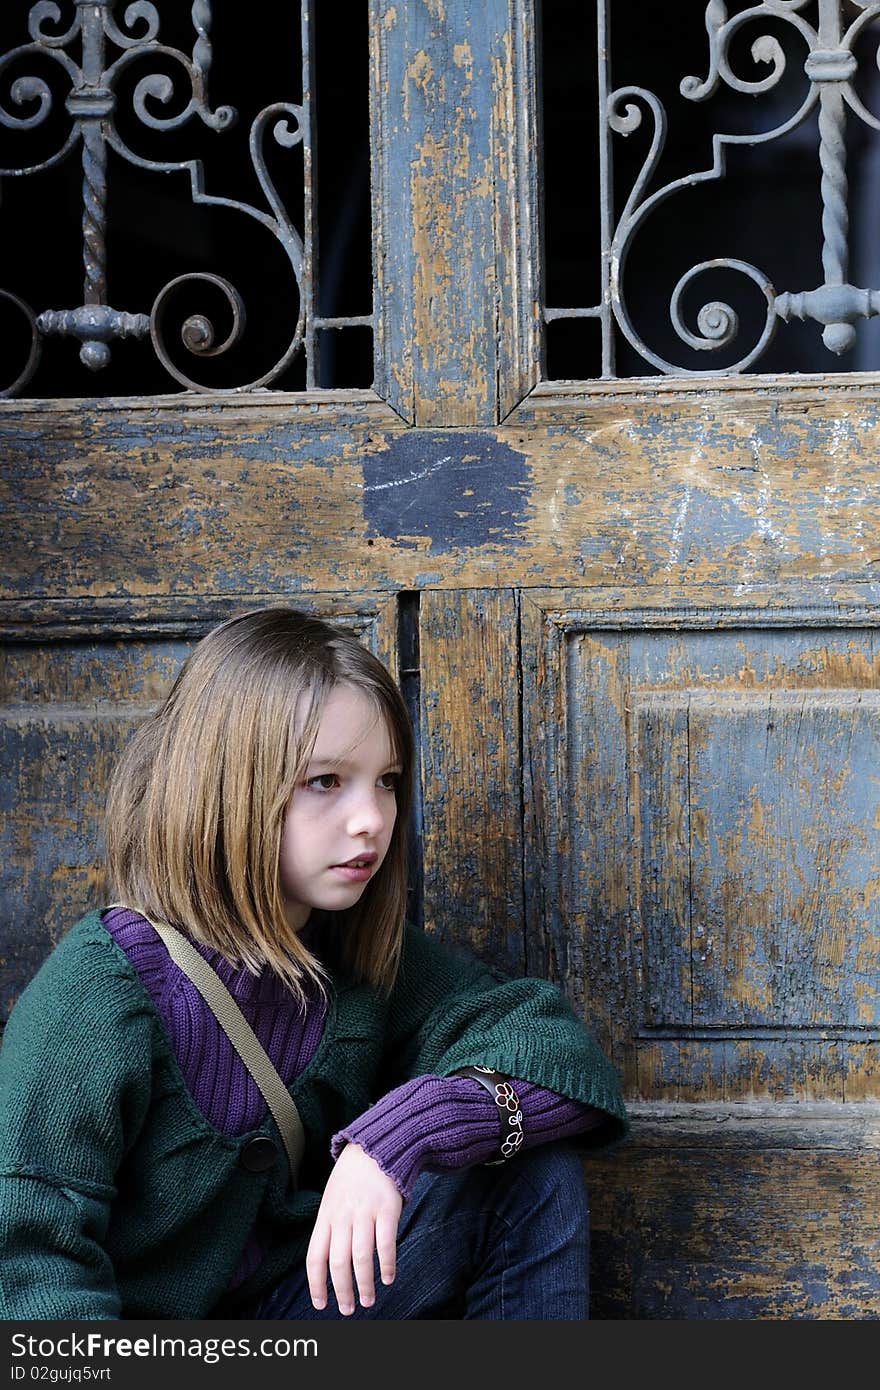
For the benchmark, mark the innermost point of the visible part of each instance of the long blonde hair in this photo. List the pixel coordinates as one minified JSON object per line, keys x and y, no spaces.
{"x":196,"y":805}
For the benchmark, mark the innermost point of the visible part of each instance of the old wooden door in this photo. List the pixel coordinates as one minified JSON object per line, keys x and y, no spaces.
{"x":634,"y":619}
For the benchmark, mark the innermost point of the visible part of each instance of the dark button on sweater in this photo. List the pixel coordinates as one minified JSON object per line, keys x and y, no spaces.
{"x":258,"y":1154}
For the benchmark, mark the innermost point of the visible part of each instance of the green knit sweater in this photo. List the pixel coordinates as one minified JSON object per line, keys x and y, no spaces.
{"x":119,"y":1199}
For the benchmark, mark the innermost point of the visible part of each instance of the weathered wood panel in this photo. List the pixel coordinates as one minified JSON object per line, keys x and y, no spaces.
{"x":65,"y":714}
{"x":751,"y":511}
{"x":217,"y":497}
{"x":704,"y":841}
{"x":454,"y":151}
{"x":738,"y":1212}
{"x":771,"y":881}
{"x":471,"y":783}
{"x":103,"y":501}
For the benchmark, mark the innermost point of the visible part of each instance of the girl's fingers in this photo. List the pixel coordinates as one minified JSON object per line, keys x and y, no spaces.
{"x":357,"y":1219}
{"x":386,"y":1245}
{"x":316,"y":1264}
{"x":362,"y":1258}
{"x":340,"y":1269}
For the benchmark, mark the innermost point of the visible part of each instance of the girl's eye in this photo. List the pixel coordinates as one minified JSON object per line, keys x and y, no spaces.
{"x":389,"y":781}
{"x":325,"y":782}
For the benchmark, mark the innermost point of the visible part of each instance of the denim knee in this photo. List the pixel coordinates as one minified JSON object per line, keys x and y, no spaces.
{"x":556,"y":1170}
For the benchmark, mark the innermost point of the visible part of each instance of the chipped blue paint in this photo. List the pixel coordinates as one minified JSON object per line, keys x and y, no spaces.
{"x":190,"y":524}
{"x":442,"y":179}
{"x":459,"y":490}
{"x":260,"y":576}
{"x":284,"y":444}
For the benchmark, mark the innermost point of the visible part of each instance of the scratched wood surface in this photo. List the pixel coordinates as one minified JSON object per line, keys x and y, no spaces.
{"x":720,"y":574}
{"x":65,"y":713}
{"x":471,"y":781}
{"x":226,"y":496}
{"x":705,"y":804}
{"x":738,"y":1212}
{"x":456,"y":253}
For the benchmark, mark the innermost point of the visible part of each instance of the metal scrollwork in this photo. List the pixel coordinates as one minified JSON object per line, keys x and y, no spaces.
{"x":91,"y":101}
{"x":829,"y":66}
{"x":34,"y":353}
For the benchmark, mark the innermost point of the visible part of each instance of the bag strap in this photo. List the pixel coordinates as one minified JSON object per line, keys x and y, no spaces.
{"x":240,"y":1034}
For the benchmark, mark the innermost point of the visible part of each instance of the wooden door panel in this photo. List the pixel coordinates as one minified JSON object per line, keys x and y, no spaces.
{"x":658,"y":787}
{"x":705,"y":813}
{"x":783,"y":865}
{"x":123,"y":502}
{"x":741,"y":1214}
{"x":471,"y":785}
{"x":758,"y":864}
{"x":65,"y":713}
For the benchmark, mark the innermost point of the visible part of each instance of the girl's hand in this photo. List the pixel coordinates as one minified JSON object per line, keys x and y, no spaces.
{"x":358,"y":1215}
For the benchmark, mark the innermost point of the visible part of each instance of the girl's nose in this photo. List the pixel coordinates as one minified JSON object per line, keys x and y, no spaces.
{"x":366,"y":816}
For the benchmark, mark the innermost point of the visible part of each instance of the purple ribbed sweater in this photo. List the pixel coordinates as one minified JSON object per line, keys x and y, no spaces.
{"x":438,"y":1123}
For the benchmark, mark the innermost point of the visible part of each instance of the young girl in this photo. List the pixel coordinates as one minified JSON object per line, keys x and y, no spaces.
{"x":263,"y":811}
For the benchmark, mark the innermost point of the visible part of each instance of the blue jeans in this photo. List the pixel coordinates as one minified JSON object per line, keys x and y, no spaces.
{"x":507,"y":1242}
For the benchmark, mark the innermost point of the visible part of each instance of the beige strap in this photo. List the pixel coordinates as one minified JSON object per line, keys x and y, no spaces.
{"x":240,"y":1034}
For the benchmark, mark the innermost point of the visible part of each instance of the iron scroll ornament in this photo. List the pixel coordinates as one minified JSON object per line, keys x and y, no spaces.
{"x":829,"y":67}
{"x":91,"y":102}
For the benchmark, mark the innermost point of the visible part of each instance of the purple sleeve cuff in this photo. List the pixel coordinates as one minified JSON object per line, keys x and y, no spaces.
{"x":441,"y":1123}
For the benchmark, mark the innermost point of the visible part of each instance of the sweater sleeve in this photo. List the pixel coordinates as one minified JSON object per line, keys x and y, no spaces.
{"x":445,"y":1123}
{"x":72,"y":1091}
{"x":448,"y":1012}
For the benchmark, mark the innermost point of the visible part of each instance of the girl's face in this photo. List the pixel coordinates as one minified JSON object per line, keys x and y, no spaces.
{"x":339,"y":822}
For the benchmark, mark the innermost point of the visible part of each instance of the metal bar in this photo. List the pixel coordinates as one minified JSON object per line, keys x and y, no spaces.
{"x":309,"y":286}
{"x":202,"y":49}
{"x":832,"y":155}
{"x":94,"y":158}
{"x":606,"y":184}
{"x":598,"y":312}
{"x":356,"y":321}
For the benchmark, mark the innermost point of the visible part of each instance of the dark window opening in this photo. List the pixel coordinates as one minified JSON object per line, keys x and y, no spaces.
{"x":153,"y":242}
{"x":769,"y":211}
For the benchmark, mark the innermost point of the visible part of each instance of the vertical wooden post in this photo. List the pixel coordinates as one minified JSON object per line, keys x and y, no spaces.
{"x":472,"y":787}
{"x":454,"y":145}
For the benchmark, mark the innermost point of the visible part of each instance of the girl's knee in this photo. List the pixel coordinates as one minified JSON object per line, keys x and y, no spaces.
{"x":558,"y":1163}
{"x":556,"y":1172}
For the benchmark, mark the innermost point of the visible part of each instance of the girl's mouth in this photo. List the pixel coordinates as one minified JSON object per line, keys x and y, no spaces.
{"x":357,"y":870}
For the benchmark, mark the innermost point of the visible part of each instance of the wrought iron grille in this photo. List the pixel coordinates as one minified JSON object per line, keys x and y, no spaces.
{"x":782,"y":85}
{"x":129,"y":109}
